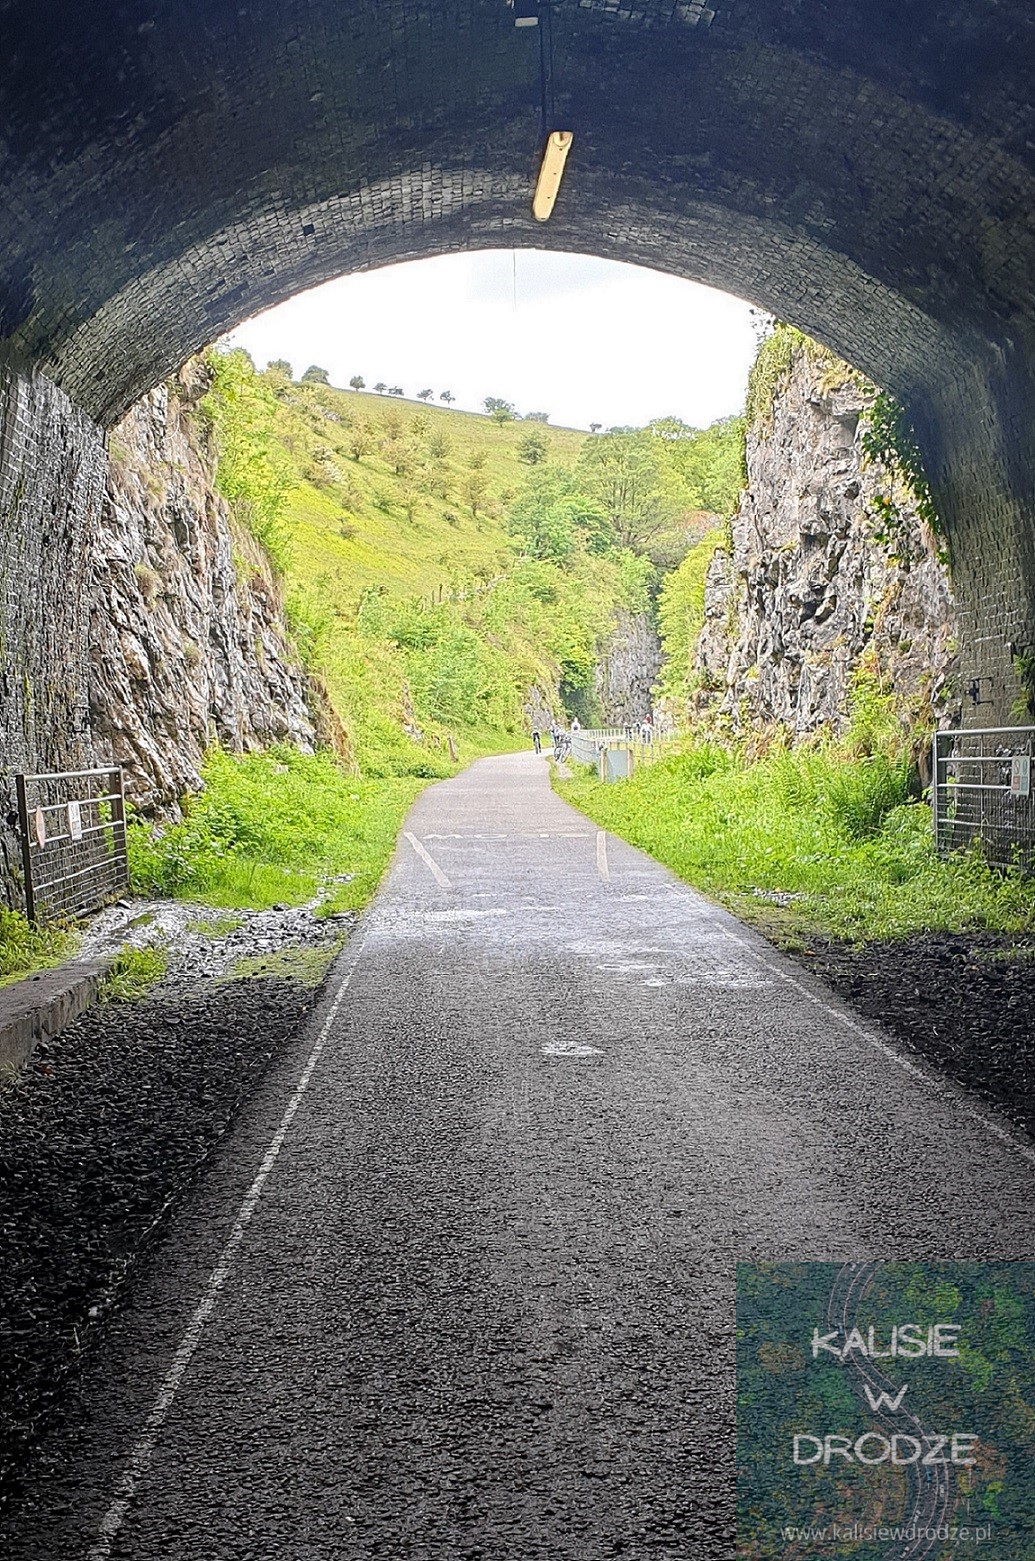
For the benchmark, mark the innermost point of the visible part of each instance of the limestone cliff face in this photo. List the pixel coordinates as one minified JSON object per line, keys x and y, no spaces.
{"x":188,"y":645}
{"x":628,"y":668}
{"x":810,"y":586}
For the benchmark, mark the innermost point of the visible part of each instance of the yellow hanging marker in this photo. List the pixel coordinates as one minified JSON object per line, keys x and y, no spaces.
{"x":558,"y":145}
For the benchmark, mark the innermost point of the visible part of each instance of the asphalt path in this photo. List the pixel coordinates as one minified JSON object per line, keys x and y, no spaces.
{"x":461,"y":1282}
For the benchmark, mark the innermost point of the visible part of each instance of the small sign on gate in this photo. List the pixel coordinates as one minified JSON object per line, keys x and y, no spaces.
{"x":1020,"y":775}
{"x":75,"y":821}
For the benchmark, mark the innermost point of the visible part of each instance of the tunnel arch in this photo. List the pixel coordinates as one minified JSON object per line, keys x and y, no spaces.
{"x":866,"y":171}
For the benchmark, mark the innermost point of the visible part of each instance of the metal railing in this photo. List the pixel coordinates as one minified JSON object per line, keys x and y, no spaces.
{"x":588,"y":744}
{"x":982,"y":791}
{"x":73,"y":836}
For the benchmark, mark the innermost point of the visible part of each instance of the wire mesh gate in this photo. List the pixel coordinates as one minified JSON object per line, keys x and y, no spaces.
{"x":982,"y":790}
{"x":73,"y":829}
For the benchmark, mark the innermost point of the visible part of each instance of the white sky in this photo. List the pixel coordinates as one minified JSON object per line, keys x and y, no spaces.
{"x":586,"y":340}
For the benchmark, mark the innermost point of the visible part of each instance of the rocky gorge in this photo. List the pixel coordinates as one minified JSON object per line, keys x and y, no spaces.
{"x":139,"y":620}
{"x":815,"y":579}
{"x":188,"y":640}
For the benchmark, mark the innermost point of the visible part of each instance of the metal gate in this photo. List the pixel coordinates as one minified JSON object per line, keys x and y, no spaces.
{"x":73,"y":829}
{"x":983,"y":790}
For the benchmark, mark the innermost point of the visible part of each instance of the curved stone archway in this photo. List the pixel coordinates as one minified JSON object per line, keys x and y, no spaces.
{"x":865,"y":170}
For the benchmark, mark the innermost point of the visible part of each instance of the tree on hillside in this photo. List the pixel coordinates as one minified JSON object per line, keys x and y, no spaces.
{"x":396,"y":390}
{"x":279,"y":366}
{"x":447,"y":396}
{"x":709,"y":462}
{"x":550,"y":516}
{"x":671,"y":428}
{"x":315,"y":375}
{"x":474,"y":489}
{"x":357,"y":382}
{"x":361,"y":438}
{"x":380,"y":387}
{"x":425,"y":395}
{"x":595,"y":428}
{"x":533,"y":448}
{"x":623,"y":471}
{"x":537,"y":417}
{"x":499,"y":410}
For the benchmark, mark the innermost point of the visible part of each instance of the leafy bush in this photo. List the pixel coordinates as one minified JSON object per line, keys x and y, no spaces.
{"x":253,"y":471}
{"x":860,"y":795}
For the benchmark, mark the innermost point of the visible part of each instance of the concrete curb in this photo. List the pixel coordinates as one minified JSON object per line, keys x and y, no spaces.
{"x":41,"y":1006}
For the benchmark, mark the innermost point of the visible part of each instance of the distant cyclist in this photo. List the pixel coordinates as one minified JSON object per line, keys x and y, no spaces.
{"x":537,"y":742}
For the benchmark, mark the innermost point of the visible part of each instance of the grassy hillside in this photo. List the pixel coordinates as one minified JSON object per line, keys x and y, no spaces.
{"x":439,"y":565}
{"x":397,"y":495}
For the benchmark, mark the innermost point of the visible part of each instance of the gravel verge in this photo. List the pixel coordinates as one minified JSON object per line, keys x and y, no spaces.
{"x":963,"y":1001}
{"x":107,"y":1126}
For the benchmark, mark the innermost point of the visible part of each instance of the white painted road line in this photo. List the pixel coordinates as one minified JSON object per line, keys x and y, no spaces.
{"x":602,"y":867}
{"x":143,"y":1450}
{"x":429,"y":861}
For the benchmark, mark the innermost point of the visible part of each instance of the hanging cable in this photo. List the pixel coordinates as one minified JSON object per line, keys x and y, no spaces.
{"x":547,"y":112}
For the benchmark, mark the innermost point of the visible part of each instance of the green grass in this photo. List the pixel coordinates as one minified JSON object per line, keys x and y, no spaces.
{"x":25,"y":949}
{"x":132,"y":974}
{"x":835,"y":831}
{"x":215,"y":926}
{"x":300,"y":963}
{"x":275,"y":828}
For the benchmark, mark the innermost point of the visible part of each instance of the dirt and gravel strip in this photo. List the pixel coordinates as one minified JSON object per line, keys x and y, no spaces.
{"x":963,"y":1001}
{"x":105,"y":1128}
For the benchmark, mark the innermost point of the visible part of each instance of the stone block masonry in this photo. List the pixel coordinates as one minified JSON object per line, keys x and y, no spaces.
{"x":52,"y":481}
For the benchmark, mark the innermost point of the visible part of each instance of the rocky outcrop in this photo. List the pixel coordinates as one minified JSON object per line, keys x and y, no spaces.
{"x":187,"y":638}
{"x":813,"y":583}
{"x":627,"y":669}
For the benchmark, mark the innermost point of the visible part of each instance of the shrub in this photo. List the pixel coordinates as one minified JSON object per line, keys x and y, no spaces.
{"x":149,"y":581}
{"x":861,"y":795}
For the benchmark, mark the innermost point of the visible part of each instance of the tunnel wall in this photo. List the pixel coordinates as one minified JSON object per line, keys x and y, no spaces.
{"x":978,"y":450}
{"x":52,"y":470}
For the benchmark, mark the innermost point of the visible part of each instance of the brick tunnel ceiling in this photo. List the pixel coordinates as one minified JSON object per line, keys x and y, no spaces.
{"x":863,"y":168}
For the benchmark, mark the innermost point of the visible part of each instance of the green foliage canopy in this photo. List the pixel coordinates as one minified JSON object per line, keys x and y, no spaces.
{"x":253,"y":472}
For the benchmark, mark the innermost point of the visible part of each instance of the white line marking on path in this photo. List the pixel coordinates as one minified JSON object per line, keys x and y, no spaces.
{"x":875,"y":1041}
{"x":602,"y":867}
{"x":143,"y":1450}
{"x":429,"y":861}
